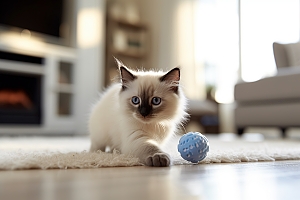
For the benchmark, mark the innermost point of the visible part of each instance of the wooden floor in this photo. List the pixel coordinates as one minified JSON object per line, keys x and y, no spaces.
{"x":260,"y":180}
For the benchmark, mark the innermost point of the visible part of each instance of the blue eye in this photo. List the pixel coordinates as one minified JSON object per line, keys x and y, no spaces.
{"x":135,"y":100}
{"x":156,"y":101}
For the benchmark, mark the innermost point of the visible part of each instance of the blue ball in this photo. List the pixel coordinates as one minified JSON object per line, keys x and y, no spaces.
{"x":193,"y":147}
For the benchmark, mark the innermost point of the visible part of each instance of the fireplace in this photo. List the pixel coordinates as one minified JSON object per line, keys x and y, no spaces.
{"x":40,"y":91}
{"x":20,"y":98}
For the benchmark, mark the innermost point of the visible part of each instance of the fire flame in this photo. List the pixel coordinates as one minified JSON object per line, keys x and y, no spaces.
{"x":15,"y":97}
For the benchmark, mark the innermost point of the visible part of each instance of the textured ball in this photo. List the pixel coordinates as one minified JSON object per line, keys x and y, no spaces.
{"x":193,"y":147}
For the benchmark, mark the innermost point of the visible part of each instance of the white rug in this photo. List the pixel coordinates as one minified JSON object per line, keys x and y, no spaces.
{"x":72,"y":152}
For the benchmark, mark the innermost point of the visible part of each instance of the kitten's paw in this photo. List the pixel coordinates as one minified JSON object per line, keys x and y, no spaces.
{"x":158,"y":160}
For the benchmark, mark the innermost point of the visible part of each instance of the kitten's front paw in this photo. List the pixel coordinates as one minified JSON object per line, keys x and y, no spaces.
{"x":158,"y":160}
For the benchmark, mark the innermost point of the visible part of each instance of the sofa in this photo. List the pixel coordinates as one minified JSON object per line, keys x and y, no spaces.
{"x":272,"y":101}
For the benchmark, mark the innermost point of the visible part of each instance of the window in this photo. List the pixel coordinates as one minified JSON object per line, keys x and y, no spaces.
{"x":262,"y":23}
{"x":221,"y":41}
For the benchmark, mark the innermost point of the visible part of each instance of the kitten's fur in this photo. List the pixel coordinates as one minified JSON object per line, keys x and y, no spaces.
{"x":140,"y":129}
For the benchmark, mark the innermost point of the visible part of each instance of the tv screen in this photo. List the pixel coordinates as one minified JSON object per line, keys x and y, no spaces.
{"x":40,"y":16}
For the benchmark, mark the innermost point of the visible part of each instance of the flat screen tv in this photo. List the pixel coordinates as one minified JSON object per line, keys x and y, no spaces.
{"x":47,"y":19}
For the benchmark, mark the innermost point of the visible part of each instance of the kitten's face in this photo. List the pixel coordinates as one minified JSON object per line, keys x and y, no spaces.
{"x":150,"y":96}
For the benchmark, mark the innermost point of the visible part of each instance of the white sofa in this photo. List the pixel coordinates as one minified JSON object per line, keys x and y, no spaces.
{"x":272,"y":101}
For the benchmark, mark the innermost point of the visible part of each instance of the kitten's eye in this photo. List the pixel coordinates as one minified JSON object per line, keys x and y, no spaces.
{"x":135,"y":100}
{"x":156,"y":101}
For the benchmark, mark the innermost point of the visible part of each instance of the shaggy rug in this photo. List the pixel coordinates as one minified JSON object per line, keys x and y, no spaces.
{"x":72,"y":152}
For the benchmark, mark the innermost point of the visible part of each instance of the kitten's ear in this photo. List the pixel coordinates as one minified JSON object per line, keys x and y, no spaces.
{"x":172,"y":78}
{"x":119,"y":63}
{"x":126,"y":75}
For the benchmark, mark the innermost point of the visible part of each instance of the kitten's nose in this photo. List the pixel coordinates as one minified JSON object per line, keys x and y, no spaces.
{"x":144,"y":111}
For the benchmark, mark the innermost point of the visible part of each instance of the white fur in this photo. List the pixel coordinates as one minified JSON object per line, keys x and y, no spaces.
{"x":113,"y":124}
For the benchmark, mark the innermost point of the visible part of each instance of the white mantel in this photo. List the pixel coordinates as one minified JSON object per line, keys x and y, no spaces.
{"x":88,"y":66}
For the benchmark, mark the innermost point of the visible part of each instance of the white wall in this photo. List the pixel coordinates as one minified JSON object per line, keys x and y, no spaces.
{"x":171,"y":25}
{"x":157,"y":15}
{"x":91,"y":51}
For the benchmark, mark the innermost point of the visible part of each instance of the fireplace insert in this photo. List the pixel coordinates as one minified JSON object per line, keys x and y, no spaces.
{"x":20,"y":98}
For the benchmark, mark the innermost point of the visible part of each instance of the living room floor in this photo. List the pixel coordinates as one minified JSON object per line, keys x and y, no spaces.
{"x":259,"y":180}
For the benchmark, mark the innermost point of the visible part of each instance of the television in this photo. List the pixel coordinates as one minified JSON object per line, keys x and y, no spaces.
{"x":49,"y":20}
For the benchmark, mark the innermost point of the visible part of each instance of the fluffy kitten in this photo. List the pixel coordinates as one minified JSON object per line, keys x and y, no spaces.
{"x":138,"y":115}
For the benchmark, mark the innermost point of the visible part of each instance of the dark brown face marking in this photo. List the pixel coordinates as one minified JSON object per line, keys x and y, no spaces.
{"x":145,"y":108}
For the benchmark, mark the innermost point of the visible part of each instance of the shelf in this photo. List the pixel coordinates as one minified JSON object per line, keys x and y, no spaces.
{"x":64,"y":107}
{"x":127,"y":24}
{"x":65,"y":75}
{"x":64,"y":88}
{"x":126,"y":40}
{"x":22,"y":68}
{"x":128,"y":53}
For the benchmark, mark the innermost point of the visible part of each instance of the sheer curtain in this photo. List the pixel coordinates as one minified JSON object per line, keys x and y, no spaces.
{"x":219,"y":42}
{"x":207,"y":44}
{"x":262,"y":23}
{"x":185,"y":34}
{"x":217,"y":45}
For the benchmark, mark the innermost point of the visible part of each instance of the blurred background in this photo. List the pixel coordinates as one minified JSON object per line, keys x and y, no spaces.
{"x":56,"y":56}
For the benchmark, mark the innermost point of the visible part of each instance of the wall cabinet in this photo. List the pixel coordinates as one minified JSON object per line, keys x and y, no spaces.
{"x":126,"y":41}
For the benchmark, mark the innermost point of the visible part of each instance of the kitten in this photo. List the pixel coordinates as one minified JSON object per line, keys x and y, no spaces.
{"x":139,"y":115}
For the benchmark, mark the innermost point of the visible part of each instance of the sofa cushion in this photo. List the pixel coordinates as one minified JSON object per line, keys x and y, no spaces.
{"x":293,"y":52}
{"x":285,"y":85}
{"x":286,"y":55}
{"x":280,"y":55}
{"x":282,"y":115}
